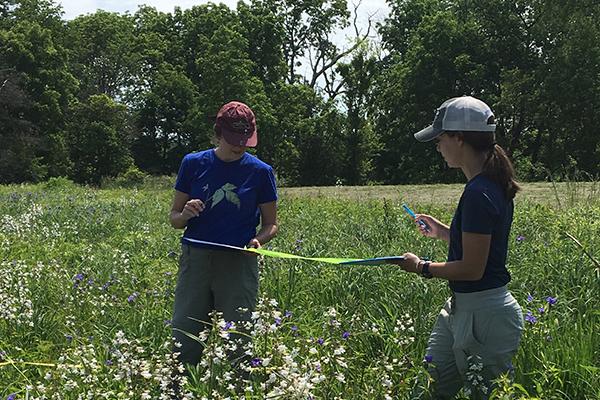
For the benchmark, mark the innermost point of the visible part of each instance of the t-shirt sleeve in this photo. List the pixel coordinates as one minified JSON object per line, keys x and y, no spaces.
{"x":183,"y":182}
{"x":479,"y":213}
{"x":268,"y":190}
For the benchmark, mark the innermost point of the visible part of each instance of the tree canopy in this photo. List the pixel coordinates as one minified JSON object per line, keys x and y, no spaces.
{"x":91,"y":97}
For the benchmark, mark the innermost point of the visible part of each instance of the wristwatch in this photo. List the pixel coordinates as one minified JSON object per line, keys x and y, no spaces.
{"x":425,"y":273}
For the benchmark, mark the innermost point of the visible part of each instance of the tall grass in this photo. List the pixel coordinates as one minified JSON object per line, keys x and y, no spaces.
{"x":88,"y":278}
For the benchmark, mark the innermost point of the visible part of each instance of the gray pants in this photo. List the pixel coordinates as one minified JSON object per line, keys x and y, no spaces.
{"x":473,"y":330}
{"x":209,"y":280}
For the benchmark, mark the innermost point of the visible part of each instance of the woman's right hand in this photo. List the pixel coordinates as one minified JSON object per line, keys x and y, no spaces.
{"x":434,"y":228}
{"x":192,"y":209}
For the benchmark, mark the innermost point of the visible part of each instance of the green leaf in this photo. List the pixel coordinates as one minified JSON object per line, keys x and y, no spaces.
{"x":217,"y":197}
{"x":590,"y":368}
{"x":228,"y":187}
{"x":233,"y":198}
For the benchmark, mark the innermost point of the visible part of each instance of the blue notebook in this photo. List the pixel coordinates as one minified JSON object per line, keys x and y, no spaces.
{"x":374,"y":261}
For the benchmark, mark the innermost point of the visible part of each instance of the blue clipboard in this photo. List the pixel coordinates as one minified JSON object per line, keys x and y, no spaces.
{"x":374,"y":261}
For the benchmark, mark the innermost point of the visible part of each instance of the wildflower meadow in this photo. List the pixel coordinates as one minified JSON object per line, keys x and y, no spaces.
{"x":88,"y":275}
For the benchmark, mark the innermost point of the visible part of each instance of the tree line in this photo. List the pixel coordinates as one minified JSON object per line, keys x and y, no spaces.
{"x":98,"y":95}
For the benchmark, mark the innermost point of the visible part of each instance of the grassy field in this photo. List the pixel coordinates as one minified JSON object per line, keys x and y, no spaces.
{"x":88,"y":278}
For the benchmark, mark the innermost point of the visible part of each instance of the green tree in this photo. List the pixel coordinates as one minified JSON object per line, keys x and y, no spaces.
{"x":169,"y":122}
{"x":19,"y":141}
{"x":103,"y":54}
{"x":98,"y":139}
{"x":32,"y":47}
{"x":262,"y":28}
{"x":361,"y":143}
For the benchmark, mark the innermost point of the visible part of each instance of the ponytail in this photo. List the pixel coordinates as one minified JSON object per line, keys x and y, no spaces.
{"x":497,"y":166}
{"x":499,"y":169}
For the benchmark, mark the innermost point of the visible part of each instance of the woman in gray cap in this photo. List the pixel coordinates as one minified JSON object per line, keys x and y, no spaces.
{"x":477,"y":332}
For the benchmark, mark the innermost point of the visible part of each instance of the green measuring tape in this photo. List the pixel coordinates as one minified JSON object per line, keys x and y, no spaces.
{"x":328,"y":260}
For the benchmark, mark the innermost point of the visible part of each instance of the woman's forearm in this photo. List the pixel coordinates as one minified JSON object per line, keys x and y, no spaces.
{"x":178,"y":220}
{"x":266,"y":233}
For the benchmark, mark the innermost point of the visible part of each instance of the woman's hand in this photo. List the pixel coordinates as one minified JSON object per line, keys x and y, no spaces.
{"x":192,"y":209}
{"x":254,"y":243}
{"x":434,"y":228}
{"x":410,"y":263}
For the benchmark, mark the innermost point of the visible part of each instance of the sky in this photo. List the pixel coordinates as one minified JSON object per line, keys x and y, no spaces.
{"x":74,"y":8}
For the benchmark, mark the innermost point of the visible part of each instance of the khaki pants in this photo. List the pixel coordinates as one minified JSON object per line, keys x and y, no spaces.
{"x":480,"y":329}
{"x":209,"y":280}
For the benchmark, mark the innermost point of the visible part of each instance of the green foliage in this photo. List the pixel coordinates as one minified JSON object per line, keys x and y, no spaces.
{"x":326,"y":113}
{"x":98,"y":139}
{"x":132,"y":178}
{"x":59,"y":183}
{"x":102,"y":53}
{"x":31,"y":47}
{"x":92,"y":272}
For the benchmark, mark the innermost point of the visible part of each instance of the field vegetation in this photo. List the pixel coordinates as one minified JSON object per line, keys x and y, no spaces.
{"x":88,"y":277}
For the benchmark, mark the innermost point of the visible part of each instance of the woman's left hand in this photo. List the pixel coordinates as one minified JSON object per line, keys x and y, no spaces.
{"x":410,"y":263}
{"x":254,"y":243}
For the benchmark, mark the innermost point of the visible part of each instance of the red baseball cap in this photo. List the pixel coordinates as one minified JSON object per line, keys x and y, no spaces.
{"x":237,"y":124}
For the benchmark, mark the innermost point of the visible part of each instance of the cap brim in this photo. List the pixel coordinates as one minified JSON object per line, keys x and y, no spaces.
{"x":427,"y":134}
{"x":235,"y":139}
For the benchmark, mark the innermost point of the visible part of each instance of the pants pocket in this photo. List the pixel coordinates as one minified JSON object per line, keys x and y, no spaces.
{"x":498,"y":329}
{"x":184,"y":260}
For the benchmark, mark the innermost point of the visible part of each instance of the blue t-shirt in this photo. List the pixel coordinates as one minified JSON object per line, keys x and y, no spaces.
{"x":483,"y":208}
{"x":231,"y":192}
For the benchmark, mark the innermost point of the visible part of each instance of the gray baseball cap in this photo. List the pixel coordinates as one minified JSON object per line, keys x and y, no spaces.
{"x":464,"y":113}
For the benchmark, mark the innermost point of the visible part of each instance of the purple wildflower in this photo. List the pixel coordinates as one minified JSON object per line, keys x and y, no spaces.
{"x":529,"y":298}
{"x":287,"y":314}
{"x":520,"y":238}
{"x":77,"y":280}
{"x":12,"y":396}
{"x":132,"y":297}
{"x":228,"y":325}
{"x":294,"y":328}
{"x":428,"y":358}
{"x":529,"y":317}
{"x":320,"y":341}
{"x":277,"y":321}
{"x":345,"y":335}
{"x":108,"y":362}
{"x":541,"y":310}
{"x":551,"y":300}
{"x":256,"y":362}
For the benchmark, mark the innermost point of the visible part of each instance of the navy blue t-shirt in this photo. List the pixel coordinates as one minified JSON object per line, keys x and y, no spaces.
{"x":483,"y":208}
{"x":231,"y":192}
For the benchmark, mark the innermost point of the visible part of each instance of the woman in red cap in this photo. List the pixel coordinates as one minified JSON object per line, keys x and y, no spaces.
{"x":221,"y":195}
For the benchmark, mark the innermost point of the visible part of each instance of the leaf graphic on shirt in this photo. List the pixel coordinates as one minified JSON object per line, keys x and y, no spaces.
{"x":225,"y":192}
{"x":217,"y":197}
{"x":233,"y":198}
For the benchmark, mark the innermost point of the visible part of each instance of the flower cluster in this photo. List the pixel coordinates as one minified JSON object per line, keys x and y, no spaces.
{"x":122,"y":369}
{"x":16,"y":305}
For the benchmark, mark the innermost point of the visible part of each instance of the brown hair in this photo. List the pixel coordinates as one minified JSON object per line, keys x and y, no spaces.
{"x":497,"y":166}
